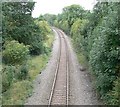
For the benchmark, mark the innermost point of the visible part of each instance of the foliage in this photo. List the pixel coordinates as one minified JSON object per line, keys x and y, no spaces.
{"x":114,"y":95}
{"x":64,"y":26}
{"x":17,"y":93}
{"x":44,"y":28}
{"x":69,"y":15}
{"x":16,"y":19}
{"x":7,"y":77}
{"x":19,"y":25}
{"x":50,"y":18}
{"x":36,"y":65}
{"x":15,"y":53}
{"x":103,"y":47}
{"x":75,"y":32}
{"x":72,"y":13}
{"x":82,"y":59}
{"x":36,"y":48}
{"x":22,"y":72}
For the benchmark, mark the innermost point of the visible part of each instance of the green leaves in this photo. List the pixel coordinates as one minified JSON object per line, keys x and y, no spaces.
{"x":69,"y":15}
{"x":15,"y":53}
{"x":19,"y":25}
{"x":103,"y":47}
{"x":72,"y":13}
{"x":7,"y":77}
{"x":44,"y":28}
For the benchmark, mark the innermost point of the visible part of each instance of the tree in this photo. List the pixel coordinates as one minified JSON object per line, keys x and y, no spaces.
{"x":72,"y":13}
{"x":19,"y":25}
{"x":50,"y":18}
{"x":16,"y":19}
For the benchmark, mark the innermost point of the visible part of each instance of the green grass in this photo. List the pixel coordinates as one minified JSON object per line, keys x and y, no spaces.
{"x":17,"y":94}
{"x":36,"y":64}
{"x":19,"y":91}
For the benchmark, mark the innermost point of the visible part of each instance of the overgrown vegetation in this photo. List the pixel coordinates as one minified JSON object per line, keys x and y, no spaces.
{"x":96,"y":38}
{"x":26,"y":48}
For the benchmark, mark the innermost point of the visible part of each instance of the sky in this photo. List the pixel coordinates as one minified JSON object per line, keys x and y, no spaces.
{"x":56,"y":6}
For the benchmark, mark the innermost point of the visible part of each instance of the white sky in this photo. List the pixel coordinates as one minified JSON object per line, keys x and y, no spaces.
{"x":56,"y":6}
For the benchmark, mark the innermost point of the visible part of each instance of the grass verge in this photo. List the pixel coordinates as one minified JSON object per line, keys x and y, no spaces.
{"x":36,"y":64}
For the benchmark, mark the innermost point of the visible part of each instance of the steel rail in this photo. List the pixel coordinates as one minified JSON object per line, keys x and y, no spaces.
{"x":56,"y":72}
{"x":67,"y":69}
{"x":60,"y":33}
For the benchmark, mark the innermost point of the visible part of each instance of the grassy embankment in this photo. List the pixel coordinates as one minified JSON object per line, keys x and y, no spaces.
{"x":19,"y":91}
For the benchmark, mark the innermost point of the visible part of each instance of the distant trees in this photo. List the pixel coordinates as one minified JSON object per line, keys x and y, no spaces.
{"x":73,"y":12}
{"x":96,"y":35}
{"x":50,"y":18}
{"x":69,"y":15}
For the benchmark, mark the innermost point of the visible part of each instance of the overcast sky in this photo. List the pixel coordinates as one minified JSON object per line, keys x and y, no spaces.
{"x":56,"y":6}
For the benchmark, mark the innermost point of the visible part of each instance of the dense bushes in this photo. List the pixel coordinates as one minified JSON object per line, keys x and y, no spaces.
{"x":10,"y":74}
{"x":44,"y":28}
{"x":36,"y":47}
{"x":114,"y":95}
{"x":75,"y":33}
{"x":103,"y":50}
{"x":15,"y":53}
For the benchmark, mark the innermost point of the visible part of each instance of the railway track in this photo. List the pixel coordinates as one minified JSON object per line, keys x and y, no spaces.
{"x":60,"y":88}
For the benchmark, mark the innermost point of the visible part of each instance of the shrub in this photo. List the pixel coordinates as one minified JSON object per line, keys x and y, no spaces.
{"x":15,"y":53}
{"x":22,"y":72}
{"x":44,"y":28}
{"x":7,"y":77}
{"x":37,"y":48}
{"x":11,"y":74}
